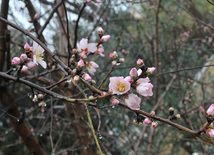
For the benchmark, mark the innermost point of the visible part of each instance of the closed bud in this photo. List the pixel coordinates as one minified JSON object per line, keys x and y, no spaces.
{"x":171,"y":110}
{"x":86,"y":77}
{"x":154,"y":124}
{"x":36,"y":16}
{"x":121,"y":60}
{"x":210,"y":111}
{"x":178,"y":116}
{"x":31,"y":64}
{"x":140,"y":63}
{"x":91,"y":97}
{"x":23,"y":57}
{"x":24,"y":68}
{"x":40,"y":96}
{"x":76,"y":78}
{"x":83,"y":55}
{"x":133,"y":73}
{"x":100,"y":31}
{"x":114,"y":63}
{"x":104,"y":94}
{"x":152,"y":113}
{"x":80,"y":64}
{"x":27,"y":47}
{"x":105,"y":38}
{"x":210,"y":132}
{"x":150,"y":70}
{"x":74,"y":71}
{"x":114,"y":101}
{"x":93,"y":81}
{"x":16,"y":61}
{"x":147,"y":121}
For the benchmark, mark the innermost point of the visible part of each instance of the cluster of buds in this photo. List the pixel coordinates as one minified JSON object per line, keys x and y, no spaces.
{"x":37,"y":98}
{"x":173,"y":116}
{"x":115,"y":59}
{"x":145,"y":120}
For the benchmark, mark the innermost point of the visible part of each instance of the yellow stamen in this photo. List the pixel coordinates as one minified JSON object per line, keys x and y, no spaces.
{"x":39,"y":55}
{"x":121,"y":87}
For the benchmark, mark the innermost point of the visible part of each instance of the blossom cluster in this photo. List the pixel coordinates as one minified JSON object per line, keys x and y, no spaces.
{"x":84,"y":49}
{"x":33,"y":56}
{"x":137,"y":80}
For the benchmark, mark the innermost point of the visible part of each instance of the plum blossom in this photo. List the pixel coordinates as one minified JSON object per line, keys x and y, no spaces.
{"x":140,"y":62}
{"x":24,"y":57}
{"x":132,"y":101}
{"x":147,"y":121}
{"x":27,"y":47}
{"x":154,"y":124}
{"x":100,"y":30}
{"x":133,"y":73}
{"x":31,"y":64}
{"x":119,"y":85}
{"x":100,"y":52}
{"x":83,"y":46}
{"x":210,"y":132}
{"x":114,"y":101}
{"x":210,"y":111}
{"x":24,"y":68}
{"x":143,"y":87}
{"x":38,"y":55}
{"x":16,"y":61}
{"x":86,"y":77}
{"x":91,"y":67}
{"x":80,"y":64}
{"x":105,"y":38}
{"x":150,"y":70}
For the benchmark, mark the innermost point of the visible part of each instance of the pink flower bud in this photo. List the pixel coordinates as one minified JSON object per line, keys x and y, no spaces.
{"x":16,"y":61}
{"x":36,"y":16}
{"x":24,"y":57}
{"x":210,"y":111}
{"x":115,"y":55}
{"x":147,"y":121}
{"x":83,"y":55}
{"x":35,"y":99}
{"x":140,"y":62}
{"x":80,"y":64}
{"x":211,"y":125}
{"x":210,"y":132}
{"x":76,"y":78}
{"x":114,"y":101}
{"x":27,"y":47}
{"x":105,"y":38}
{"x":114,"y":63}
{"x":121,"y":60}
{"x":104,"y":94}
{"x":31,"y":64}
{"x":154,"y":124}
{"x":88,"y":1}
{"x":178,"y":116}
{"x":111,"y":55}
{"x":150,"y":70}
{"x":129,"y":79}
{"x":152,"y":113}
{"x":110,"y":91}
{"x":31,"y":48}
{"x":100,"y":30}
{"x":86,"y":77}
{"x":133,"y":73}
{"x":24,"y":68}
{"x":40,"y":96}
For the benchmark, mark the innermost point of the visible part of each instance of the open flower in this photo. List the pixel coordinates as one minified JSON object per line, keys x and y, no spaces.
{"x":91,"y":67}
{"x":38,"y":55}
{"x":83,"y":46}
{"x":143,"y":87}
{"x":119,"y":85}
{"x":132,"y":101}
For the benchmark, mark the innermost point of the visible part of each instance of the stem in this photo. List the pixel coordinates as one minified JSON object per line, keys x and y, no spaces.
{"x":93,"y":132}
{"x":99,"y":87}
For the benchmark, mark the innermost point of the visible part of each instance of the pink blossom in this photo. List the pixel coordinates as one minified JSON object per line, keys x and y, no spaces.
{"x":23,"y":57}
{"x":24,"y":68}
{"x":143,"y":87}
{"x":210,"y":132}
{"x":210,"y":111}
{"x":132,"y":101}
{"x":27,"y":47}
{"x":16,"y":61}
{"x":31,"y":64}
{"x":133,"y":73}
{"x":150,"y":70}
{"x":129,"y":79}
{"x":76,"y":78}
{"x":83,"y":46}
{"x":86,"y":77}
{"x":36,"y":16}
{"x":80,"y":64}
{"x":114,"y":101}
{"x":147,"y":121}
{"x":154,"y":124}
{"x":119,"y":85}
{"x":105,"y":38}
{"x":121,"y":60}
{"x":100,"y":52}
{"x":83,"y":55}
{"x":114,"y":63}
{"x":140,"y":62}
{"x":91,"y":67}
{"x":100,"y":30}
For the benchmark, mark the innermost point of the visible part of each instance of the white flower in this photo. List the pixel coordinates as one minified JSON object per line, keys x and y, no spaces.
{"x":38,"y":55}
{"x":83,"y":46}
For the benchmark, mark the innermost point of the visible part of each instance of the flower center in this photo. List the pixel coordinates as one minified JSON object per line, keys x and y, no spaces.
{"x":39,"y":55}
{"x":84,"y":50}
{"x":121,"y":87}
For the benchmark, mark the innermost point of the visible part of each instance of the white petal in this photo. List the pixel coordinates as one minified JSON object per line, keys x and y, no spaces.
{"x":84,"y":43}
{"x":92,"y":47}
{"x":43,"y":64}
{"x":34,"y":59}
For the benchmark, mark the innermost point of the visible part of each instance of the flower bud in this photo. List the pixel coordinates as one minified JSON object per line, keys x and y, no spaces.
{"x":114,"y":101}
{"x":86,"y":77}
{"x":91,"y":97}
{"x":115,"y":55}
{"x":150,"y":70}
{"x":171,"y":110}
{"x":43,"y":104}
{"x":35,"y":99}
{"x":76,"y":78}
{"x":114,"y":63}
{"x":104,"y":94}
{"x":105,"y":38}
{"x":210,"y":132}
{"x":147,"y":121}
{"x":27,"y":47}
{"x":133,"y":73}
{"x":178,"y":116}
{"x":154,"y":124}
{"x":80,"y":64}
{"x":140,"y":63}
{"x":24,"y":68}
{"x":93,"y":81}
{"x":23,"y":57}
{"x":110,"y":91}
{"x":83,"y":55}
{"x":100,"y":31}
{"x":31,"y":64}
{"x":40,"y":96}
{"x":152,"y":113}
{"x":74,"y":70}
{"x":36,"y":16}
{"x":210,"y":111}
{"x":121,"y":60}
{"x":16,"y":61}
